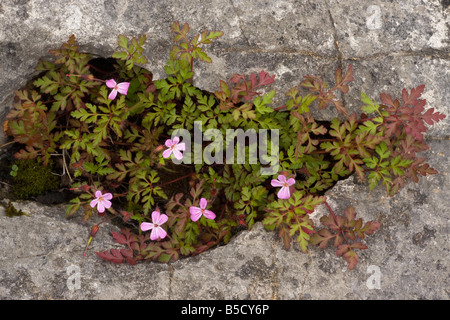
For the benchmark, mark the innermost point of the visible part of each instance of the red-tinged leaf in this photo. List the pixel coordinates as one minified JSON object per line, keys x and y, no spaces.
{"x":423,"y":169}
{"x":415,"y":94}
{"x":387,"y":100}
{"x":430,"y":117}
{"x":329,"y":222}
{"x":358,"y":245}
{"x":116,"y":253}
{"x":88,"y":212}
{"x":113,"y":256}
{"x":127,"y":253}
{"x":342,"y":249}
{"x":350,"y":213}
{"x":358,"y":224}
{"x":360,"y":172}
{"x":265,"y":79}
{"x":307,"y":83}
{"x":349,"y":74}
{"x":134,"y":246}
{"x":308,"y":231}
{"x":350,"y":234}
{"x":338,"y":240}
{"x":321,"y":238}
{"x":236,"y":78}
{"x":320,"y":130}
{"x":338,"y":76}
{"x":283,"y":233}
{"x":253,"y":81}
{"x":340,"y":107}
{"x":352,"y":259}
{"x":126,"y":215}
{"x":119,"y":238}
{"x":370,"y":227}
{"x":340,"y":221}
{"x":323,"y":103}
{"x":175,"y":27}
{"x":224,"y":88}
{"x":131,"y":261}
{"x":344,"y":88}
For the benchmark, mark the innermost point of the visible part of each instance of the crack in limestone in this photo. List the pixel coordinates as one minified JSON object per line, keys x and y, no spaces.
{"x":432,"y":54}
{"x":306,"y":276}
{"x":170,"y":281}
{"x":277,"y":271}
{"x":340,"y":57}
{"x":426,"y":53}
{"x":240,"y":23}
{"x":281,"y":50}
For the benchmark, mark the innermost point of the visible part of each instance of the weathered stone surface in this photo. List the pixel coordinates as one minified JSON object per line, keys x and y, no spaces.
{"x":391,"y":27}
{"x":391,"y":44}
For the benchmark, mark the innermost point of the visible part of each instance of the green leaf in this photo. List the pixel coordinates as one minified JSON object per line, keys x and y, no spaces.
{"x":369,"y":106}
{"x":123,"y":41}
{"x":382,"y":150}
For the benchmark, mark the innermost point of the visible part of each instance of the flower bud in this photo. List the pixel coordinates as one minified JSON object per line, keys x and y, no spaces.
{"x":94,"y":230}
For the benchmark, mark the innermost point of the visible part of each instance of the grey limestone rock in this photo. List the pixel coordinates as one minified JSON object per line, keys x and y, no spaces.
{"x":391,"y":44}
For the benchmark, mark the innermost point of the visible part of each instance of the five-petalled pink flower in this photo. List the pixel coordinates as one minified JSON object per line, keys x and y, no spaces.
{"x":174,"y":146}
{"x":157,"y":220}
{"x":117,"y":87}
{"x":285,"y":185}
{"x":197,"y":212}
{"x":101,"y":201}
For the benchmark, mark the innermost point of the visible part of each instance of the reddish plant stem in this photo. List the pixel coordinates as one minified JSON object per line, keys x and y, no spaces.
{"x":331,"y":211}
{"x":341,"y":231}
{"x":177,"y":179}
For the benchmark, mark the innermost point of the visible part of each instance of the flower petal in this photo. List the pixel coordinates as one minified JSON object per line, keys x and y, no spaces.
{"x":196,"y":216}
{"x":276,"y":183}
{"x":160,"y":232}
{"x":284,"y":193}
{"x":181,"y":146}
{"x":154,"y":234}
{"x":176,"y":140}
{"x":108,"y":196}
{"x":98,"y":194}
{"x":203,"y":203}
{"x":111,"y":83}
{"x":209,"y":214}
{"x":281,"y":178}
{"x":146,"y":226}
{"x":291,"y":181}
{"x":178,"y":155}
{"x":155,"y":217}
{"x":196,"y":213}
{"x":168,"y":143}
{"x":106,"y":204}
{"x":93,"y":203}
{"x":112,"y":95}
{"x":194,"y":210}
{"x":167,"y":153}
{"x":159,"y":218}
{"x":162,"y":219}
{"x":123,"y":87}
{"x":100,"y":207}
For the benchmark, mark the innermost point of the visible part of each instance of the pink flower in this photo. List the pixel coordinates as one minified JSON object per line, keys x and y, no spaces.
{"x":284,"y":192}
{"x":174,"y":147}
{"x":101,"y":201}
{"x":197,"y":212}
{"x":157,"y":231}
{"x":120,"y":87}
